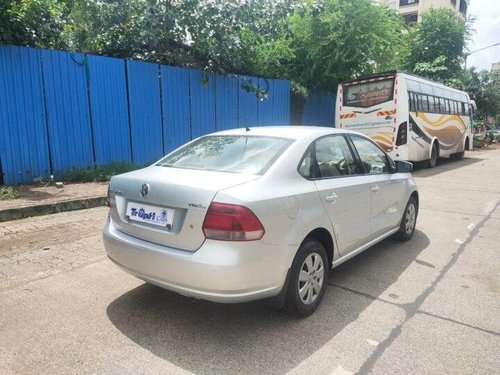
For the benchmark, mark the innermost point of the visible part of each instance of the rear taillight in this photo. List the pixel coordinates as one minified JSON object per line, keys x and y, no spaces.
{"x":402,"y":137}
{"x":230,"y":222}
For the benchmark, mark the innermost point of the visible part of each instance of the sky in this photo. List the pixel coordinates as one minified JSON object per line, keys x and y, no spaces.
{"x":487,"y":26}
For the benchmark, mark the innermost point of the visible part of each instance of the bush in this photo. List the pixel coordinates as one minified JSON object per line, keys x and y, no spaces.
{"x":8,"y":192}
{"x":480,"y":140}
{"x":98,"y":173}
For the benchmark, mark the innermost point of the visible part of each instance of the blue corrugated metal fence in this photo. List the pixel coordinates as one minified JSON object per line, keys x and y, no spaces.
{"x":318,"y":109}
{"x":61,"y":110}
{"x":24,"y":147}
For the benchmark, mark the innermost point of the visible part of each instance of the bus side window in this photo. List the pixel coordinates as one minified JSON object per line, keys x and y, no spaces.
{"x":442,"y":105}
{"x":425,"y":103}
{"x":413,"y":102}
{"x":436,"y":105}
{"x":463,"y":109}
{"x":432,"y":105}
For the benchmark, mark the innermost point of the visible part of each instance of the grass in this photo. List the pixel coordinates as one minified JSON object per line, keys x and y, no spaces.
{"x":98,"y":173}
{"x":8,"y":192}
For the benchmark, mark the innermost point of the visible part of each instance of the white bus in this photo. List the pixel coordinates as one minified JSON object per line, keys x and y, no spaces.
{"x":410,"y":117}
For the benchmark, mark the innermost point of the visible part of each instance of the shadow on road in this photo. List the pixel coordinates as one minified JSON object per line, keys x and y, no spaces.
{"x":204,"y":337}
{"x":444,"y":165}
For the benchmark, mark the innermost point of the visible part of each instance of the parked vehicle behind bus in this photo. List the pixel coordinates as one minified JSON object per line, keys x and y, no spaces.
{"x":410,"y":117}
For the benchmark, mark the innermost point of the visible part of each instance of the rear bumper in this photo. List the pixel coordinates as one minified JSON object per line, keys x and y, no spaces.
{"x":227,"y":272}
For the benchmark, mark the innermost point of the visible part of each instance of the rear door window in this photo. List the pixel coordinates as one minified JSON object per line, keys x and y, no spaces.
{"x":373,"y":158}
{"x":329,"y":157}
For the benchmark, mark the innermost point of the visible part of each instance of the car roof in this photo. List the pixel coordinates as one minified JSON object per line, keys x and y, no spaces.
{"x":285,"y":131}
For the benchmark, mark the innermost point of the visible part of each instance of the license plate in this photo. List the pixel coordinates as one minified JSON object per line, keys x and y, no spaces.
{"x":145,"y":213}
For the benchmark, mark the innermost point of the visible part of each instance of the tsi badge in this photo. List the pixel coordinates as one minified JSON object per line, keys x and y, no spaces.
{"x":144,"y":190}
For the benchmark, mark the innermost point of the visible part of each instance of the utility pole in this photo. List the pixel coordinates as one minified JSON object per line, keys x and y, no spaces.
{"x":480,"y":49}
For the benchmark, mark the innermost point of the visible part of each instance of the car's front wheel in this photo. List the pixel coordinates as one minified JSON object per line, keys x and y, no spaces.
{"x":308,"y":278}
{"x":407,"y":225}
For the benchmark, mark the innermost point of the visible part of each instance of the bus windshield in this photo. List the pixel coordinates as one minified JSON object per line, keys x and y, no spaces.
{"x":368,"y":94}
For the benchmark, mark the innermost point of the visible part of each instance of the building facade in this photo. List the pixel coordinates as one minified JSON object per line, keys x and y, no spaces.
{"x":411,"y":10}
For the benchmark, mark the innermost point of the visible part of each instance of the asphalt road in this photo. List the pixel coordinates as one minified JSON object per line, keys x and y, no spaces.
{"x":430,"y":306}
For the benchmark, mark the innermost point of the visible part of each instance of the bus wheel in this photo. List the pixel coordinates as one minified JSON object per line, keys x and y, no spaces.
{"x":431,"y":163}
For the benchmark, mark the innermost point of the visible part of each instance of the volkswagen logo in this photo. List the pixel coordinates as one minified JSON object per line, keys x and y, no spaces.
{"x":144,"y":190}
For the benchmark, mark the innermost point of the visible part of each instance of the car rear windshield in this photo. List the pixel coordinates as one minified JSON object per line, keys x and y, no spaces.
{"x":226,"y":153}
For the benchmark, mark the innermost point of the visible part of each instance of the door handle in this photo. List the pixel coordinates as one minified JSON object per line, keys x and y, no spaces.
{"x":332,"y":198}
{"x":375,"y":188}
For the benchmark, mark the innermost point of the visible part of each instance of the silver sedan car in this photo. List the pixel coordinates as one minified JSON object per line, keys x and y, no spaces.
{"x":247,"y":214}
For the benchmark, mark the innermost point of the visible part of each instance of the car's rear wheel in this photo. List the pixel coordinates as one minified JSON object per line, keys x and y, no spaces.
{"x":308,"y":279}
{"x":407,"y":226}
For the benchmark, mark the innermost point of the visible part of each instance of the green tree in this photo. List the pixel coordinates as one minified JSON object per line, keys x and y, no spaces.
{"x":33,"y":23}
{"x":491,"y":99}
{"x":200,"y":33}
{"x":119,"y":28}
{"x":437,"y":44}
{"x":484,"y":88}
{"x":343,"y":39}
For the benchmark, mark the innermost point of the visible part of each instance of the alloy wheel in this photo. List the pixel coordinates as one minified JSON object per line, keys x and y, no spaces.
{"x":311,"y":278}
{"x":410,"y":218}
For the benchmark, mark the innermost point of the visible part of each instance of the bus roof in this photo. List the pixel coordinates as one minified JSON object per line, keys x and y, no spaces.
{"x":392,"y":73}
{"x":373,"y":76}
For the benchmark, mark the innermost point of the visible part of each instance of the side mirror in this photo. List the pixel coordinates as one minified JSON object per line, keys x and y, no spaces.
{"x":403,"y":167}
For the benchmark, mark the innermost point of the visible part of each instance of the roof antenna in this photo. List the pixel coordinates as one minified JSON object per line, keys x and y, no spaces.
{"x":247,"y":128}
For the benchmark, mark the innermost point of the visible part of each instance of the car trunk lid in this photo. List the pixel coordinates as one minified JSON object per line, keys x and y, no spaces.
{"x":167,"y":206}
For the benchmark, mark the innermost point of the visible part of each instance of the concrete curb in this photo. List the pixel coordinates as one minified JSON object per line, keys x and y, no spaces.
{"x":51,"y":208}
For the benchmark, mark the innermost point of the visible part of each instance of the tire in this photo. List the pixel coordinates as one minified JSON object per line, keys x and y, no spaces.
{"x":308,"y":279}
{"x":408,"y":222}
{"x":431,"y":163}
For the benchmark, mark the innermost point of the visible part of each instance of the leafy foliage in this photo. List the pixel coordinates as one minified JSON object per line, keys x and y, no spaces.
{"x":344,"y":39}
{"x":34,"y":23}
{"x":8,"y":192}
{"x":480,"y":140}
{"x":484,"y":88}
{"x":201,"y":33}
{"x":437,"y":45}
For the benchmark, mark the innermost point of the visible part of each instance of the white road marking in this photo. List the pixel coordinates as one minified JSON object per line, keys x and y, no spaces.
{"x":459,"y":241}
{"x":372,"y":342}
{"x":471,"y":226}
